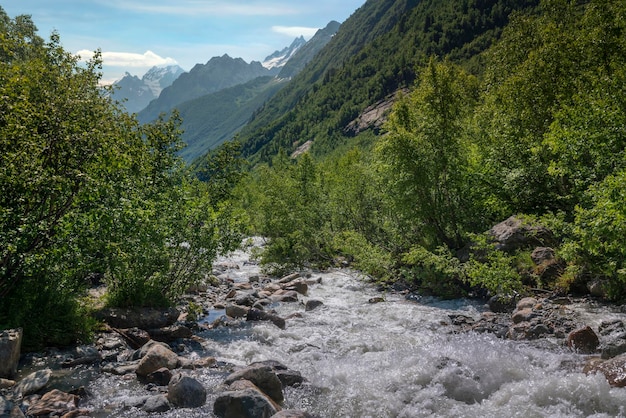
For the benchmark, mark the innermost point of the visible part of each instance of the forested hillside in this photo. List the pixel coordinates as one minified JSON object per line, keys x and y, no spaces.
{"x":524,"y":119}
{"x":376,"y":52}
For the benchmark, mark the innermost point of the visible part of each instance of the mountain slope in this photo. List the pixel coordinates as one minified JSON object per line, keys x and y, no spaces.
{"x":279,"y":58}
{"x":307,"y":52}
{"x":135,"y":93}
{"x":210,"y":120}
{"x":374,"y":53}
{"x":217,"y":74}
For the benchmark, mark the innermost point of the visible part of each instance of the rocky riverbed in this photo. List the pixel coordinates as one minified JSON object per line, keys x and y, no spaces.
{"x":329,"y":344}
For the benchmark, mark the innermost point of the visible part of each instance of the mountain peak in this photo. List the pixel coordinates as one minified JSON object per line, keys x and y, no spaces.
{"x":279,"y":58}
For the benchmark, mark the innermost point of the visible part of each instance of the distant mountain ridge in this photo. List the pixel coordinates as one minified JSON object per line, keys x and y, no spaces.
{"x":135,"y":93}
{"x":280,"y":58}
{"x":217,"y":74}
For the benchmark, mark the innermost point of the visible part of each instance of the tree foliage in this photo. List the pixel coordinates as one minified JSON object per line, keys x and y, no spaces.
{"x":86,"y":190}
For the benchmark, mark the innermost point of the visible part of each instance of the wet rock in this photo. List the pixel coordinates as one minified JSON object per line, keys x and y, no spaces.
{"x":141,"y":352}
{"x":186,"y":392}
{"x":248,"y":403}
{"x":83,"y":355}
{"x":156,"y":358}
{"x":10,"y":346}
{"x":514,"y":233}
{"x":156,"y":404}
{"x":614,"y":370}
{"x":136,"y":337}
{"x":583,"y":340}
{"x":597,"y":288}
{"x":289,"y":278}
{"x":501,"y":303}
{"x":378,"y":299}
{"x":144,"y":318}
{"x":526,"y":303}
{"x":236,"y":311}
{"x":33,"y":383}
{"x":312,"y":304}
{"x":263,"y":377}
{"x":292,"y":413}
{"x":299,"y":286}
{"x":285,"y":296}
{"x":160,"y":377}
{"x":523,"y":315}
{"x":613,"y":341}
{"x":260,"y":315}
{"x":286,"y":376}
{"x":204,"y":362}
{"x":170,"y":333}
{"x":247,"y":299}
{"x":120,"y":369}
{"x":54,"y":403}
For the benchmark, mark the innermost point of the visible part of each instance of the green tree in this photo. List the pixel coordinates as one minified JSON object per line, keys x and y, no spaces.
{"x":424,"y":158}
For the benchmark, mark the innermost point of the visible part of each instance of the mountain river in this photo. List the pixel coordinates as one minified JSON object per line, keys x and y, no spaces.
{"x":391,"y":359}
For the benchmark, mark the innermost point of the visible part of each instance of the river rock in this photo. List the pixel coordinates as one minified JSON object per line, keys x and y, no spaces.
{"x":263,"y":377}
{"x":136,"y":337}
{"x":33,"y":383}
{"x":83,"y":355}
{"x":312,"y":304}
{"x":144,"y":318}
{"x":6,"y":383}
{"x":613,"y":369}
{"x":55,"y":403}
{"x":613,"y":341}
{"x":289,"y":278}
{"x":156,"y":358}
{"x":501,"y":304}
{"x":583,"y":340}
{"x":160,"y":377}
{"x":236,"y":311}
{"x":9,"y":409}
{"x":10,"y":346}
{"x":261,"y":315}
{"x":286,"y":376}
{"x":285,"y":296}
{"x":170,"y":333}
{"x":299,"y":286}
{"x":156,"y":404}
{"x":248,"y":403}
{"x":186,"y":392}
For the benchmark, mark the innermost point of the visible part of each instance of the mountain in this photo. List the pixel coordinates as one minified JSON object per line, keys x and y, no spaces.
{"x":212,"y":119}
{"x":135,"y":93}
{"x":217,"y":74}
{"x":375,"y":53}
{"x":279,"y":58}
{"x":307,"y":52}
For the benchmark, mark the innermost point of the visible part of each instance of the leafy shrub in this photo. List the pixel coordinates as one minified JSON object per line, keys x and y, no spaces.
{"x":439,"y":272}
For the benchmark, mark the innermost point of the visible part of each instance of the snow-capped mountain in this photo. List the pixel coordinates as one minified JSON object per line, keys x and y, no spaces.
{"x":135,"y":93}
{"x":279,"y":58}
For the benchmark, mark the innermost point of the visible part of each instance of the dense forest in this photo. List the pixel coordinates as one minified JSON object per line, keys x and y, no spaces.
{"x":501,"y":108}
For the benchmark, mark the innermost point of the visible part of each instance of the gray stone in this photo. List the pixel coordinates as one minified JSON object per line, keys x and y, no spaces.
{"x":248,"y":403}
{"x":170,"y":333}
{"x":236,"y":311}
{"x":33,"y":383}
{"x":10,"y":346}
{"x":312,"y":304}
{"x":186,"y":392}
{"x":261,"y":315}
{"x":156,"y":358}
{"x":263,"y":377}
{"x":144,"y":318}
{"x":514,"y":233}
{"x":541,"y":254}
{"x":292,"y":413}
{"x":157,"y":403}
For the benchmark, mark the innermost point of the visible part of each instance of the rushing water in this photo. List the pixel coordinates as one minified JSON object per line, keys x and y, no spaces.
{"x":391,"y":359}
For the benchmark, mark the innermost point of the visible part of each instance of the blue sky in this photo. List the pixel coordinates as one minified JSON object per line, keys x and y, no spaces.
{"x":134,"y":35}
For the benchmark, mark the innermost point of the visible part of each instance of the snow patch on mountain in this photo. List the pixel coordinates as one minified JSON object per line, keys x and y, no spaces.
{"x":279,"y":58}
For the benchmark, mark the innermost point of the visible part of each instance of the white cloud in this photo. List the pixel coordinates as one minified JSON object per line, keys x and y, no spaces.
{"x":128,"y":59}
{"x":295,"y":31}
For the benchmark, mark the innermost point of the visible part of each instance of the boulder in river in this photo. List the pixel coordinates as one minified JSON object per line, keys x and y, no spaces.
{"x":56,"y":403}
{"x":514,"y":233}
{"x":156,"y":358}
{"x":614,"y":370}
{"x":33,"y":383}
{"x":186,"y":392}
{"x":263,"y":377}
{"x":583,"y":340}
{"x":10,"y":346}
{"x":247,"y":403}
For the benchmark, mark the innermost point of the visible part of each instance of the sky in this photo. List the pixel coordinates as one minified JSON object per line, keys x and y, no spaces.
{"x":134,"y":35}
